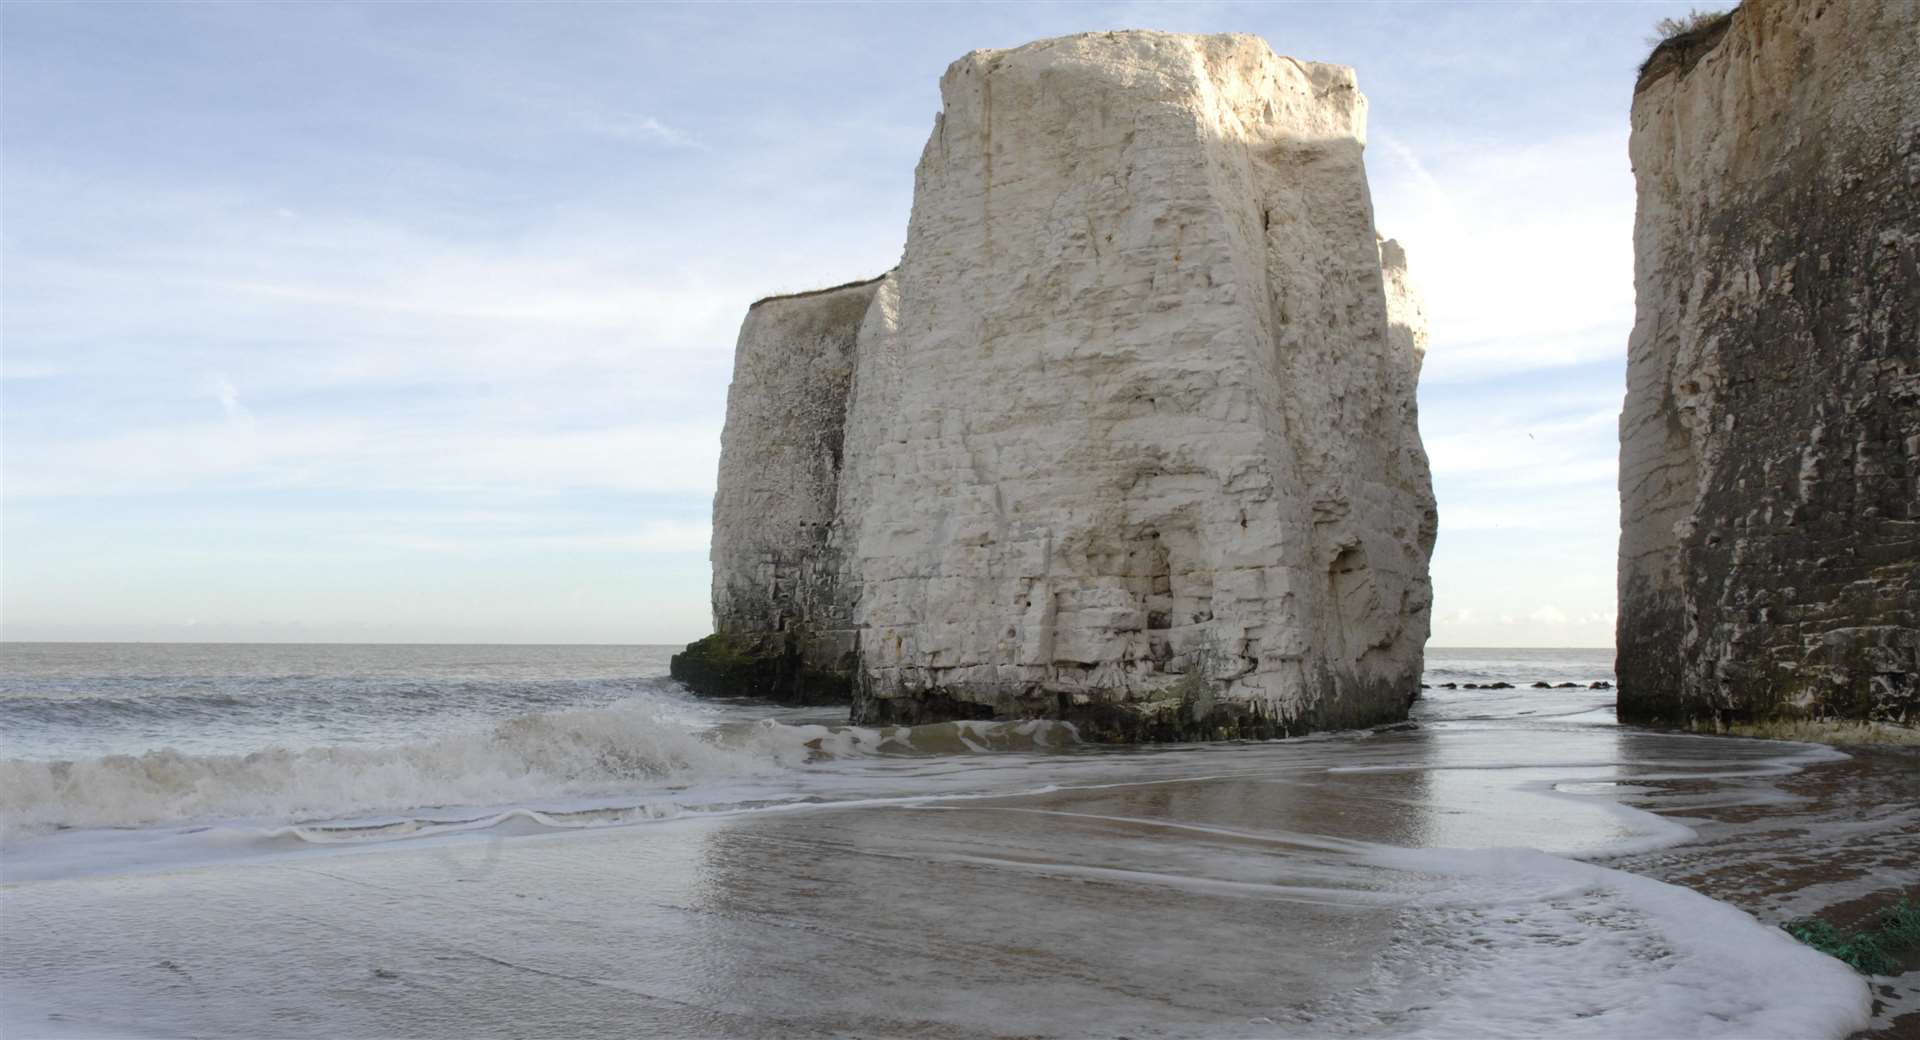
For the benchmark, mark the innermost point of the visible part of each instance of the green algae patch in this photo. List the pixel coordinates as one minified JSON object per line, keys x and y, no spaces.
{"x":1842,"y":732}
{"x":1880,"y":949}
{"x":718,"y":655}
{"x":722,"y":666}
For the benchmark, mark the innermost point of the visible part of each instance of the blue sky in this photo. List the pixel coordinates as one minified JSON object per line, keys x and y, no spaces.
{"x":413,"y":322}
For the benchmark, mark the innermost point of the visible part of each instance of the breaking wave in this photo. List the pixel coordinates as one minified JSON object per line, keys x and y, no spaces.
{"x":629,"y":747}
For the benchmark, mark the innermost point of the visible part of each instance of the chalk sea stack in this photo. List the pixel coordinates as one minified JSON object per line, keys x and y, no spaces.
{"x":1770,"y":441}
{"x":783,"y":612}
{"x":1127,"y":439}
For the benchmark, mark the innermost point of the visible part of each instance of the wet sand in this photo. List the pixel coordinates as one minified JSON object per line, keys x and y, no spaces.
{"x":1419,"y":881}
{"x":1840,"y":842}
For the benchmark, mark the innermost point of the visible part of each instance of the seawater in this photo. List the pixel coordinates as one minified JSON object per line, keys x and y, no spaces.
{"x":457,"y":841}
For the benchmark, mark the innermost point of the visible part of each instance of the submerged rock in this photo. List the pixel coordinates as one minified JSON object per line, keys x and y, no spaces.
{"x":1770,"y":441}
{"x":1129,"y":438}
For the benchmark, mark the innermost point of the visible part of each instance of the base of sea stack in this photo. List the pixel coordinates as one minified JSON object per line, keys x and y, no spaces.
{"x":1177,"y":717}
{"x":719,"y":666}
{"x":1860,"y":673}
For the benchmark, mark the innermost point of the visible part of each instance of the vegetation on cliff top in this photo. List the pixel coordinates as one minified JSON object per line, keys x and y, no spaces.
{"x":1681,"y":41}
{"x":816,"y":292}
{"x":1694,"y":20}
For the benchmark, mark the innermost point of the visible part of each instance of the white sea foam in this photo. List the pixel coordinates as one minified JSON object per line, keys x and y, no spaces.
{"x":629,"y":747}
{"x":1515,"y":942}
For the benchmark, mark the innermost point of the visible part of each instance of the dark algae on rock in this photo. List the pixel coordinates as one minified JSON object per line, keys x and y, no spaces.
{"x":1770,"y":441}
{"x":1891,"y":937}
{"x":1188,"y":712}
{"x":725,"y":666}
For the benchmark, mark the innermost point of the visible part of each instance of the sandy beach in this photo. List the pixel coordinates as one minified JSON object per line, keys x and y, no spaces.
{"x":1479,"y":872}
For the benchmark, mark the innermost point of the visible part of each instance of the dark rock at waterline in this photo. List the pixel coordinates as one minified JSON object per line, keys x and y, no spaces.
{"x":1449,"y":686}
{"x":1543,"y":685}
{"x":1498,"y":686}
{"x":1601,"y":685}
{"x":725,"y":666}
{"x":1568,"y":686}
{"x":1180,"y":719}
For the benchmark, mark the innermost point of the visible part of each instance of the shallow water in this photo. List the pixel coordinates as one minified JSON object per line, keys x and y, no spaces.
{"x":636,"y":862}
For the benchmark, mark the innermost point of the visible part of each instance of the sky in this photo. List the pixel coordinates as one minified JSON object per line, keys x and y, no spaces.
{"x":413,"y":322}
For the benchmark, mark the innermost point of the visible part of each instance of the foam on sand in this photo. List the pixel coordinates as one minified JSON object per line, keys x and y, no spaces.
{"x":1521,"y":943}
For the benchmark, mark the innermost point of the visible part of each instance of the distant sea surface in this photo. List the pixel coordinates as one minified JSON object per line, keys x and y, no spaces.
{"x":83,"y":700}
{"x":325,"y":840}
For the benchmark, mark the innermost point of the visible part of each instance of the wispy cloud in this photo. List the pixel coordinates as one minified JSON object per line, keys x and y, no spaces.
{"x":229,"y":398}
{"x":1520,"y":249}
{"x":641,"y":128}
{"x":370,"y":454}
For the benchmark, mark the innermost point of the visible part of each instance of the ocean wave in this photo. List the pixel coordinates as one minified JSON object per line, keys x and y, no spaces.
{"x":633,"y":745}
{"x":105,"y":702}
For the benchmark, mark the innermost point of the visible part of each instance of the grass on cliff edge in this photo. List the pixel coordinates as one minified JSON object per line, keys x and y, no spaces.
{"x":1829,"y":731}
{"x":1671,"y":33}
{"x":1875,"y":951}
{"x":1693,"y":21}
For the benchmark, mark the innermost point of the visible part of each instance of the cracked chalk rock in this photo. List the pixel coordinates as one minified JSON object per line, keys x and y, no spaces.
{"x":1770,"y":440}
{"x":1129,"y":436}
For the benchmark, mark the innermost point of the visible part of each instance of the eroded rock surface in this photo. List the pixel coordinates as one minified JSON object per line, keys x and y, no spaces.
{"x":1770,"y":443}
{"x":1130,"y":438}
{"x":782,"y":619}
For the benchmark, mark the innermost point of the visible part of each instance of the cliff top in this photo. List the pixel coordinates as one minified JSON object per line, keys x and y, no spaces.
{"x":1683,"y":50}
{"x":1324,"y":73}
{"x":817,"y":292}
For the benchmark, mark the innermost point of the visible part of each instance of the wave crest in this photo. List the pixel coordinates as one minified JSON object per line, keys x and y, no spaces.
{"x":628,"y":746}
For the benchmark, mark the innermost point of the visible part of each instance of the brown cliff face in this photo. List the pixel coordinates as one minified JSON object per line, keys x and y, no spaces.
{"x":1770,"y":443}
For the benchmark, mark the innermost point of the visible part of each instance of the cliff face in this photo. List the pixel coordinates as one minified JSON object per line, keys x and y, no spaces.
{"x":1130,"y":438}
{"x":1770,"y":443}
{"x":782,"y":617}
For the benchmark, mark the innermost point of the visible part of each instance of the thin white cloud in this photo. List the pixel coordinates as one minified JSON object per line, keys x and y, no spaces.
{"x":639,"y":128}
{"x":229,"y":398}
{"x":1518,"y":248}
{"x":372,"y":454}
{"x":644,"y":537}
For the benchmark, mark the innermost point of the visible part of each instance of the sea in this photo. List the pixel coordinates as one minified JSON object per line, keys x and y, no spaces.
{"x":456,"y":841}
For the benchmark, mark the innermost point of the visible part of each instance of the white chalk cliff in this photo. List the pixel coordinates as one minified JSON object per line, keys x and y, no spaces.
{"x":1770,"y":438}
{"x":777,"y":587}
{"x":1130,"y":433}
